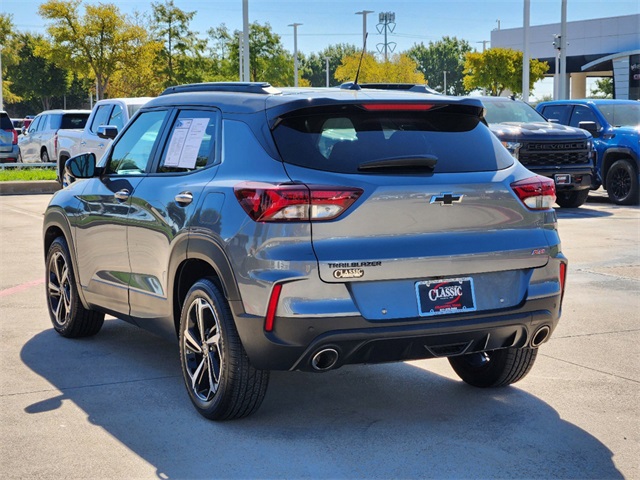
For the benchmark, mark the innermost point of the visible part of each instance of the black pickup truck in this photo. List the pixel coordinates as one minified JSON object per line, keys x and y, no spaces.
{"x":564,"y":154}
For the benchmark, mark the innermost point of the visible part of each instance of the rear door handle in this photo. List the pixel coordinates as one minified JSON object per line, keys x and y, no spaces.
{"x":183,"y":199}
{"x":83,"y":143}
{"x":122,"y":195}
{"x":101,"y":145}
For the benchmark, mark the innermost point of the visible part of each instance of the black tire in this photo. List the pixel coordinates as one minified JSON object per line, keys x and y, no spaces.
{"x":572,"y":199}
{"x":68,"y":315}
{"x":497,"y":368}
{"x":61,"y":165}
{"x":622,"y":183}
{"x":220,"y":381}
{"x":44,"y":156}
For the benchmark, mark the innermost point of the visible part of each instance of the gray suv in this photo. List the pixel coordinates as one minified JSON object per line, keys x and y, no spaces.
{"x":306,"y":229}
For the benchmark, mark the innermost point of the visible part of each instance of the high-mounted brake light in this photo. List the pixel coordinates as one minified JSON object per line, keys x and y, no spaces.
{"x":376,"y":107}
{"x":537,"y":193}
{"x":266,"y":202}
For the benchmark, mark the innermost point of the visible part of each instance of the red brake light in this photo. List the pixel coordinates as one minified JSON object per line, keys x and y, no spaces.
{"x":15,"y":135}
{"x":563,"y":278}
{"x":273,"y":306}
{"x":376,"y":107}
{"x":537,"y":193}
{"x":265,"y":202}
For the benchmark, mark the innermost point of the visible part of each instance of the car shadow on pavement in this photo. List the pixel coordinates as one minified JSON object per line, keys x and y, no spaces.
{"x":581,"y":212}
{"x":372,"y":421}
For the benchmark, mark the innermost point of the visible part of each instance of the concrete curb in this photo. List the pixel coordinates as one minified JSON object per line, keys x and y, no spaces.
{"x":29,"y":187}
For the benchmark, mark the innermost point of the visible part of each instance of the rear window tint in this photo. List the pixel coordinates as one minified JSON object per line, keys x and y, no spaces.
{"x":340,"y":139}
{"x":73,"y":120}
{"x":5,"y":122}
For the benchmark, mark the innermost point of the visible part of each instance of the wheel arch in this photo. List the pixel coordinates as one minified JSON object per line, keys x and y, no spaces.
{"x":205,"y":259}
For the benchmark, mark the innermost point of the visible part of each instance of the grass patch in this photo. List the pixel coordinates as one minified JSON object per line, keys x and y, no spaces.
{"x":26,"y":174}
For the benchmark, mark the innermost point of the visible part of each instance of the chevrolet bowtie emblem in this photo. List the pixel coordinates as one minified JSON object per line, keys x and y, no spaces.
{"x":446,"y":198}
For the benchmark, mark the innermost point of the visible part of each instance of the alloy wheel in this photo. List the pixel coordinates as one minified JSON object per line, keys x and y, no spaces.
{"x":203,"y":354}
{"x":59,"y":288}
{"x":620,"y":183}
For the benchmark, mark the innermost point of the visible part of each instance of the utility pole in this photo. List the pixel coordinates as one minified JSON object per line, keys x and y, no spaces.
{"x":326,"y":59}
{"x":295,"y":53}
{"x":245,"y":41}
{"x":240,"y":59}
{"x":563,"y":52}
{"x":557,"y":44}
{"x":484,"y":44}
{"x":444,"y":90}
{"x":364,"y":25}
{"x":386,"y":24}
{"x":525,"y":51}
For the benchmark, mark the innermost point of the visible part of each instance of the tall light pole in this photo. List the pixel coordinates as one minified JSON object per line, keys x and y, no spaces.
{"x":326,"y":59}
{"x":364,"y":25}
{"x":563,"y":52}
{"x":295,"y":52}
{"x":245,"y":41}
{"x":525,"y":52}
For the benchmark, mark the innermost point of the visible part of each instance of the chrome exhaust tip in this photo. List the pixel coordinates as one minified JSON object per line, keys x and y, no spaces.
{"x":541,"y":336}
{"x":324,"y":359}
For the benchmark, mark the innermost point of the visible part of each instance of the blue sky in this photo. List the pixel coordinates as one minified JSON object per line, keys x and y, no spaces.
{"x":328,"y":22}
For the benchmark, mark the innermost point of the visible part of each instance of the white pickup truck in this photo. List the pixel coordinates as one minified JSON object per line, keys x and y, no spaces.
{"x":115,"y":112}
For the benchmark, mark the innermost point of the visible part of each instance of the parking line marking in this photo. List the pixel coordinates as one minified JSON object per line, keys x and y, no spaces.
{"x":21,"y":288}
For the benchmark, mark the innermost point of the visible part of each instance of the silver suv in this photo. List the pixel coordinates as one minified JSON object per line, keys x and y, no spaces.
{"x":307,"y":229}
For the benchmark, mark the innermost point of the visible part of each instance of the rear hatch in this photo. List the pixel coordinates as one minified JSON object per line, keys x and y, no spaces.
{"x":435,"y":202}
{"x":7,"y":133}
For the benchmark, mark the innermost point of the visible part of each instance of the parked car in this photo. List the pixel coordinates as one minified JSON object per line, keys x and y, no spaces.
{"x":615,"y":126}
{"x":39,"y":142}
{"x":114,"y":112}
{"x":8,"y":140}
{"x":18,"y":125}
{"x":564,"y":154}
{"x":306,"y":229}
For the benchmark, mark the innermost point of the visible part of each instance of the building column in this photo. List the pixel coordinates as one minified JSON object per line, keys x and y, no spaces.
{"x":578,"y":85}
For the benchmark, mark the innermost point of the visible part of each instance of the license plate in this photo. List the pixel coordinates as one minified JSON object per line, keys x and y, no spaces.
{"x":564,"y":179}
{"x":445,"y":296}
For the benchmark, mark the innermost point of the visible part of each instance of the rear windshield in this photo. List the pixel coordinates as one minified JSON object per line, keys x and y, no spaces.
{"x":5,"y":122}
{"x":73,"y":121}
{"x":510,"y":111}
{"x":344,"y":138}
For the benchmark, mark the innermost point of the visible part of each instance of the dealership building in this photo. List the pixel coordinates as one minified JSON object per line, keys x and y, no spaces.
{"x":603,"y":47}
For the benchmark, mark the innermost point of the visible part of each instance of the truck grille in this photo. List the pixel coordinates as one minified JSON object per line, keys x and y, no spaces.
{"x":548,"y":154}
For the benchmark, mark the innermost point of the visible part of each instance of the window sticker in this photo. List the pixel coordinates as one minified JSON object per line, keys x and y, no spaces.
{"x":185,"y":142}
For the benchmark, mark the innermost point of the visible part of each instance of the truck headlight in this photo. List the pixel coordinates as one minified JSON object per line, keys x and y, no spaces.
{"x":513,"y":147}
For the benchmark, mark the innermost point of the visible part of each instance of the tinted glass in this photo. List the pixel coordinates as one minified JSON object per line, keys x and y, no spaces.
{"x":512,"y":111}
{"x":101,"y":117}
{"x":342,"y":139}
{"x":116,"y":117}
{"x":5,"y":122}
{"x":557,"y":112}
{"x":191,"y":142}
{"x":582,"y":114}
{"x":74,"y":120}
{"x":623,"y":114}
{"x":133,"y":150}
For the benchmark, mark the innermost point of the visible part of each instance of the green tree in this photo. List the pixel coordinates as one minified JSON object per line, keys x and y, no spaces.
{"x":446,"y":55}
{"x":34,"y":76}
{"x":9,"y":57}
{"x":182,"y":50}
{"x":98,"y":43}
{"x":603,"y":88}
{"x":399,"y":69}
{"x":500,"y":69}
{"x":314,"y":68}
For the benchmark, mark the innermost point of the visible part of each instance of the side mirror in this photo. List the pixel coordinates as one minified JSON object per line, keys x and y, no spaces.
{"x":107,"y":131}
{"x":590,"y":127}
{"x":81,"y":166}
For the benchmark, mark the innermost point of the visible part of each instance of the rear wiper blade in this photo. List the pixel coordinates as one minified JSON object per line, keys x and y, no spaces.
{"x":417,"y":162}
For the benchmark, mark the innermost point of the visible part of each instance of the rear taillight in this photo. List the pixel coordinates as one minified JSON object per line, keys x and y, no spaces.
{"x":15,"y":136}
{"x":265,"y":202}
{"x":537,"y":193}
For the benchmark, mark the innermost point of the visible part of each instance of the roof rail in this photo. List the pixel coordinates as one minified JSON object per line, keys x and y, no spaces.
{"x":238,"y":87}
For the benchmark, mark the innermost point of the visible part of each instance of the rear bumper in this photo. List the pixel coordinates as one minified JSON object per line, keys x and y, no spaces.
{"x":294,"y":341}
{"x":9,"y":156}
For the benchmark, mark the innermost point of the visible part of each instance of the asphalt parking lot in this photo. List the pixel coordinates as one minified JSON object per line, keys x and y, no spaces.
{"x":114,"y":406}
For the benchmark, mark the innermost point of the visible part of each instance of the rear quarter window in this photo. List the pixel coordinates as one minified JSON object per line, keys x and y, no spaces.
{"x":342,"y":138}
{"x":73,"y":121}
{"x":5,"y":122}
